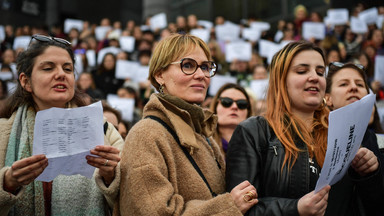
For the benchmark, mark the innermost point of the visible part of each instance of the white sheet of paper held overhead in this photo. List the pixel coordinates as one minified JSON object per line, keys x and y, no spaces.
{"x":66,"y":136}
{"x":347,"y":126}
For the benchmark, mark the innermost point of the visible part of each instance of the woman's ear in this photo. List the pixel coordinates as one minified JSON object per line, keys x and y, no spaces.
{"x":328,"y":98}
{"x":25,"y":82}
{"x":159,"y":78}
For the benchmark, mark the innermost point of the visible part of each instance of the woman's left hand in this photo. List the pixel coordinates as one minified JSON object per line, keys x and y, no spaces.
{"x":365,"y":162}
{"x":106,"y":162}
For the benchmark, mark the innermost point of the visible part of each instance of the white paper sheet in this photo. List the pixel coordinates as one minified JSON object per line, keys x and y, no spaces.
{"x":358,"y":26}
{"x":101,"y":32}
{"x":345,"y":133}
{"x":127,"y":43}
{"x":313,"y":29}
{"x":227,"y":32}
{"x":217,"y":81}
{"x":21,"y":42}
{"x":73,"y":23}
{"x":251,"y":34}
{"x":204,"y":34}
{"x":102,"y":52}
{"x":337,"y":16}
{"x":126,"y":69}
{"x":158,"y":21}
{"x":379,"y":68}
{"x":207,"y":24}
{"x":260,"y":87}
{"x":124,"y":105}
{"x":240,"y":50}
{"x":369,"y":16}
{"x":2,"y":33}
{"x":66,"y":136}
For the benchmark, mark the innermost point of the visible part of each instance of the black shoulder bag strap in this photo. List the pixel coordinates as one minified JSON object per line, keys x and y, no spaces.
{"x":190,"y":158}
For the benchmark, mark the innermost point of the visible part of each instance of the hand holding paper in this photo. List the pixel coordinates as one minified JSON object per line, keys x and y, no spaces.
{"x":345,"y":133}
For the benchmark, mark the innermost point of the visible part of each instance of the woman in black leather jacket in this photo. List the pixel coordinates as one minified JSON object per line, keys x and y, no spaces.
{"x":281,"y":154}
{"x":361,"y":191}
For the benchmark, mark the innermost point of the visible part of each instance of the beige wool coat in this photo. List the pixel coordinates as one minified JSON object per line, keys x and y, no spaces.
{"x":156,"y":176}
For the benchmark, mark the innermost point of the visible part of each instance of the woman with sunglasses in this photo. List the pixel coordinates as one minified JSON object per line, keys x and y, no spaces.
{"x":47,"y":79}
{"x":281,"y":153}
{"x":170,"y":163}
{"x":232,"y":105}
{"x":360,"y":192}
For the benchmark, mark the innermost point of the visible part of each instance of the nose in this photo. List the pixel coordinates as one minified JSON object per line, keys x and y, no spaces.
{"x":313,"y":77}
{"x":199,"y":74}
{"x":353,"y":87}
{"x":60,"y":73}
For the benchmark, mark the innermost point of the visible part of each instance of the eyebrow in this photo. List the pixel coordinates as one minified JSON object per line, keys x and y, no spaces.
{"x":307,"y":65}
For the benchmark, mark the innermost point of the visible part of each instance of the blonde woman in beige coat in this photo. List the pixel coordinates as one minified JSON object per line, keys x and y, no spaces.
{"x":158,"y":177}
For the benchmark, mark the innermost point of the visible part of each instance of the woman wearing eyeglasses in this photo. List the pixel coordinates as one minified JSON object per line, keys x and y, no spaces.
{"x":232,"y":105}
{"x":361,"y":191}
{"x":282,"y":152}
{"x":47,"y":79}
{"x":170,"y":163}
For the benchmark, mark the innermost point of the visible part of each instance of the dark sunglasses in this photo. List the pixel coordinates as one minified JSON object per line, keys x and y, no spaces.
{"x":43,"y":38}
{"x":189,"y":66}
{"x":340,"y":65}
{"x":227,"y":102}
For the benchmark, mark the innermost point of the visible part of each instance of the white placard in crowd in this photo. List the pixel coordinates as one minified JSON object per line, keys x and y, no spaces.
{"x":106,"y":50}
{"x":259,"y":88}
{"x":227,"y":32}
{"x":337,"y":16}
{"x":158,"y":21}
{"x":268,"y":49}
{"x":73,"y":23}
{"x":91,"y":57}
{"x":240,"y":50}
{"x":261,"y":26}
{"x":21,"y":42}
{"x":126,"y":69}
{"x":204,"y":34}
{"x":205,"y":23}
{"x":380,"y":21}
{"x":124,"y":105}
{"x":313,"y":30}
{"x":379,"y":68}
{"x":101,"y":32}
{"x":141,"y":74}
{"x":358,"y":26}
{"x":251,"y":34}
{"x":369,"y":16}
{"x":2,"y":33}
{"x":219,"y":80}
{"x":78,"y":63}
{"x":127,"y":43}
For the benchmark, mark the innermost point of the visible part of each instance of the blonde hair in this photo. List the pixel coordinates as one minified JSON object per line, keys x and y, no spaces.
{"x":284,"y":123}
{"x":170,"y":49}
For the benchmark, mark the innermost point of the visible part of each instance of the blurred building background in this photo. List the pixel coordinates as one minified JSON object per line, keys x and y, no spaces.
{"x":52,"y":12}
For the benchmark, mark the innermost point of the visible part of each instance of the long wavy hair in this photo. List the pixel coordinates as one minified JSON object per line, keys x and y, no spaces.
{"x":288,"y":127}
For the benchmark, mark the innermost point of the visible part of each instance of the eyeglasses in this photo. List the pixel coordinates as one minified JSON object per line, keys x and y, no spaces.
{"x":43,"y":38}
{"x":227,"y":102}
{"x":189,"y":66}
{"x":340,"y":65}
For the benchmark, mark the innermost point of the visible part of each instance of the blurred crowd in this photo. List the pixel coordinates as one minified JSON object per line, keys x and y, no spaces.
{"x":98,"y":80}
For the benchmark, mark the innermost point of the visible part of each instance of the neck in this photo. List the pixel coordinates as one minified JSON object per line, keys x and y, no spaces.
{"x":226,"y":131}
{"x":306,"y":117}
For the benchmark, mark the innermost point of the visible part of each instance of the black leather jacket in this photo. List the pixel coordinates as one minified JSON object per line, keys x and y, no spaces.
{"x":255,"y":154}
